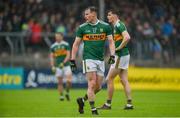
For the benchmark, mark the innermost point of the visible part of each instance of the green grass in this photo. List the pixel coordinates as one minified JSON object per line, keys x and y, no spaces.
{"x":45,"y":103}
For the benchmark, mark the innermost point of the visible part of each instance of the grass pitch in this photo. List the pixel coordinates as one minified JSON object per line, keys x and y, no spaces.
{"x":45,"y":103}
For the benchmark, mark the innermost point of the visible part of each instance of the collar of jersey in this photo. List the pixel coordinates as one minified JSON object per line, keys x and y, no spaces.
{"x":58,"y":42}
{"x":95,"y":23}
{"x":116,"y":22}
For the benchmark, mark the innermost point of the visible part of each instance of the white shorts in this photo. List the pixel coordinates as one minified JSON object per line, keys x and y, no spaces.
{"x":63,"y":72}
{"x":90,"y":65}
{"x":121,"y":62}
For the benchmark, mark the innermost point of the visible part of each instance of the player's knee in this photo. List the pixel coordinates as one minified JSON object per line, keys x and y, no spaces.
{"x":124,"y":80}
{"x":98,"y":88}
{"x":60,"y":81}
{"x":68,"y":81}
{"x":69,"y":76}
{"x":110,"y":77}
{"x":109,"y":81}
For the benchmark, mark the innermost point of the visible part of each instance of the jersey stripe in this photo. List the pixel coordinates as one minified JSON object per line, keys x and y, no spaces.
{"x":117,"y":37}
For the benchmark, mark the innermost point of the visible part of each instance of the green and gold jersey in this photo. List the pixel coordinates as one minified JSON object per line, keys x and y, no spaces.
{"x":119,"y":27}
{"x":59,"y":51}
{"x":94,"y":36}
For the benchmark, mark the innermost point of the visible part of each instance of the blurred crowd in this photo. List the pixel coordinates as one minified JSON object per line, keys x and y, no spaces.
{"x":36,"y":16}
{"x":153,"y":24}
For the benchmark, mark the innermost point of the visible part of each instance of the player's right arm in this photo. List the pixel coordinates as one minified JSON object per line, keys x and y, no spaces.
{"x":52,"y":63}
{"x":74,"y":51}
{"x":51,"y":59}
{"x":75,"y":47}
{"x":111,"y":45}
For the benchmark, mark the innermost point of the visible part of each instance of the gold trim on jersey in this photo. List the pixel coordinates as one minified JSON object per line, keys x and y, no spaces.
{"x":89,"y":37}
{"x":117,"y":37}
{"x":60,"y":52}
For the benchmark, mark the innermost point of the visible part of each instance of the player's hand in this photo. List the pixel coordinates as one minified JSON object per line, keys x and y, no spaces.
{"x":53,"y":69}
{"x":117,"y":49}
{"x":111,"y":59}
{"x":61,"y":65}
{"x":73,"y":65}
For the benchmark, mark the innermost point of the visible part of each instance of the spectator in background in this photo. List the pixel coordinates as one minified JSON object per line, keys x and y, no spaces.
{"x":61,"y":28}
{"x":138,"y":36}
{"x":166,"y":49}
{"x":174,"y":43}
{"x":148,"y":33}
{"x":157,"y":47}
{"x":36,"y":32}
{"x":167,"y":28}
{"x":16,"y":24}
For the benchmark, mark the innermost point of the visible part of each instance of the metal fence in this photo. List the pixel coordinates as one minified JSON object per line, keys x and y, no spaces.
{"x":16,"y":45}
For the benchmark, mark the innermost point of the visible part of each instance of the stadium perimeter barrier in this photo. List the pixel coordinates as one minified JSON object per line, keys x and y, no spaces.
{"x":11,"y":78}
{"x":140,"y":78}
{"x":152,"y":78}
{"x":19,"y":78}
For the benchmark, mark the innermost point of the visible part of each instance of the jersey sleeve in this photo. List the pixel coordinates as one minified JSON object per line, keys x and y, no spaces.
{"x":79,"y":32}
{"x":68,"y":47}
{"x":51,"y":50}
{"x":121,"y":27}
{"x":109,"y":30}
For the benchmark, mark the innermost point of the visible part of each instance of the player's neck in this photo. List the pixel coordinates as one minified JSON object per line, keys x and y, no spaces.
{"x":115,"y":21}
{"x":94,"y":22}
{"x":59,"y":41}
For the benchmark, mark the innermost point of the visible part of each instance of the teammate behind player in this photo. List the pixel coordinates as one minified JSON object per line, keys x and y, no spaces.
{"x":93,"y":33}
{"x":60,"y":65}
{"x":122,"y":57}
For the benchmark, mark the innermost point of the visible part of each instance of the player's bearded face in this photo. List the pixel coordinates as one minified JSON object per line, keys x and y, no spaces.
{"x":88,"y":15}
{"x":110,"y":17}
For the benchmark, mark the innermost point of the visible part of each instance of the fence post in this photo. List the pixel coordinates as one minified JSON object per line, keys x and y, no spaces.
{"x":11,"y":48}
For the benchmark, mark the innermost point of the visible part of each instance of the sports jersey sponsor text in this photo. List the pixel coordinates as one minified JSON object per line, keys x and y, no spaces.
{"x":94,"y":36}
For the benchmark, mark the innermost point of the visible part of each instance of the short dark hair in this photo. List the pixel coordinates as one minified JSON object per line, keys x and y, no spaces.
{"x":114,"y":11}
{"x":60,"y":33}
{"x":92,"y":9}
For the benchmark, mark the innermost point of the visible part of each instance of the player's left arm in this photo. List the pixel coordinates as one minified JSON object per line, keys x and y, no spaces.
{"x":126,"y":38}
